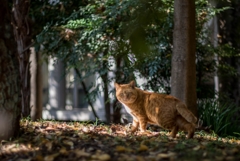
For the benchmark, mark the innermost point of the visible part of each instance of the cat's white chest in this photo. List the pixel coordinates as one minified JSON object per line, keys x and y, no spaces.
{"x":129,"y":111}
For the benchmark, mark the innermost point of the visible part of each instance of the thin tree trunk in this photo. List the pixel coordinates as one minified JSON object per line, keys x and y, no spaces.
{"x":106,"y":98}
{"x":75,"y":90}
{"x":213,"y":25}
{"x":22,"y":36}
{"x":36,"y":86}
{"x":117,"y":110}
{"x":183,"y":73}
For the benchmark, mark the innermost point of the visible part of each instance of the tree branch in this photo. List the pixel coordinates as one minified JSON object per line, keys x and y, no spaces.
{"x":86,"y":92}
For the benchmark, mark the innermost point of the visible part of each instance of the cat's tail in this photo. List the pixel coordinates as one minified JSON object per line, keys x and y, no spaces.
{"x":188,"y":115}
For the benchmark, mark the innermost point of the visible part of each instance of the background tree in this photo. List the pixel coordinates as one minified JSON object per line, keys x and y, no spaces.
{"x":36,"y":85}
{"x":183,"y":73}
{"x":229,"y":37}
{"x":22,"y":33}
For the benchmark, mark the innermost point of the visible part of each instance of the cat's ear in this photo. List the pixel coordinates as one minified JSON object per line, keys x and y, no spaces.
{"x":116,"y":85}
{"x":132,"y":84}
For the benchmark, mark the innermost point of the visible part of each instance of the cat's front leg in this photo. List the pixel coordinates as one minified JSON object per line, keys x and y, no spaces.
{"x":143,"y":125}
{"x":135,"y":125}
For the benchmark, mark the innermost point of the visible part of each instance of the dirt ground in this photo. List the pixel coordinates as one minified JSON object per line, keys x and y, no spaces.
{"x":75,"y":141}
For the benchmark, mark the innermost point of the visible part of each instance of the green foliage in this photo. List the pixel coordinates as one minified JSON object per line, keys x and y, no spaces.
{"x":104,"y":30}
{"x":44,"y":13}
{"x":138,"y":32}
{"x":131,"y":39}
{"x":219,"y":115}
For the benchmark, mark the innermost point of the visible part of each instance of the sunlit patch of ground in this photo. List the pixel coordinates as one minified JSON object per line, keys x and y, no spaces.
{"x":56,"y":141}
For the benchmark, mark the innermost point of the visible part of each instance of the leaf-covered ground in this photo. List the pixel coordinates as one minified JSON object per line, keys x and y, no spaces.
{"x":61,"y":141}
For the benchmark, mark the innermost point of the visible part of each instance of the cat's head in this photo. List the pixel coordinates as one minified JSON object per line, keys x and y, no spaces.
{"x":126,"y":93}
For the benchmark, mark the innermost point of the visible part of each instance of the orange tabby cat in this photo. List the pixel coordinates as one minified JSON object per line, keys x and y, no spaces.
{"x":155,"y":108}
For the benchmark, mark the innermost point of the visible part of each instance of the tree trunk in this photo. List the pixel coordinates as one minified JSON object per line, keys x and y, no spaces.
{"x":213,"y":25}
{"x":183,"y":72}
{"x":229,"y":24}
{"x":106,"y":98}
{"x":116,"y":109}
{"x":9,"y":76}
{"x":36,"y":86}
{"x":22,"y":36}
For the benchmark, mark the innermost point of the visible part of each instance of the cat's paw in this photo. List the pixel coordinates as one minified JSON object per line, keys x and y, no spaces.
{"x":130,"y":131}
{"x":133,"y":129}
{"x":148,"y":133}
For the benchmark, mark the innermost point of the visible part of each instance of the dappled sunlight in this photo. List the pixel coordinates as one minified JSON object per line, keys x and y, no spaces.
{"x":54,"y":140}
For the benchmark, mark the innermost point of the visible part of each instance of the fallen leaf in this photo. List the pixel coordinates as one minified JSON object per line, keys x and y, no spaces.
{"x":81,"y":153}
{"x":120,"y":148}
{"x":204,"y":154}
{"x":50,"y":128}
{"x":50,"y":157}
{"x":63,"y":150}
{"x":142,"y":147}
{"x":38,"y":158}
{"x":49,"y":145}
{"x":86,"y":129}
{"x":162,"y":156}
{"x":166,"y":155}
{"x":197,"y":148}
{"x":140,"y":158}
{"x":29,"y":159}
{"x":234,"y":151}
{"x":104,"y":157}
{"x":68,"y":142}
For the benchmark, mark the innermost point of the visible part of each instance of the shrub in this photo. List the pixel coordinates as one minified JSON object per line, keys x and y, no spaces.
{"x":220,"y":115}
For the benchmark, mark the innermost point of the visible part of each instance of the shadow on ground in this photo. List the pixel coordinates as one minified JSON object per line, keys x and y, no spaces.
{"x":61,"y":141}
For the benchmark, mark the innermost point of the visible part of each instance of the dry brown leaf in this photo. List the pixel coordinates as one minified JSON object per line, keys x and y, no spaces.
{"x":197,"y":148}
{"x":81,"y":153}
{"x":104,"y":157}
{"x":86,"y":129}
{"x":63,"y":150}
{"x":69,"y":143}
{"x":204,"y":154}
{"x":49,"y":145}
{"x":234,"y":151}
{"x":29,"y":159}
{"x":120,"y":148}
{"x":50,"y":128}
{"x":166,"y":155}
{"x":10,"y":146}
{"x":140,"y":158}
{"x":50,"y":157}
{"x":143,"y":148}
{"x":38,"y":158}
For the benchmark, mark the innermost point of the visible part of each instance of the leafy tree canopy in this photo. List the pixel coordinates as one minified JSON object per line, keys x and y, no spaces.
{"x":94,"y":35}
